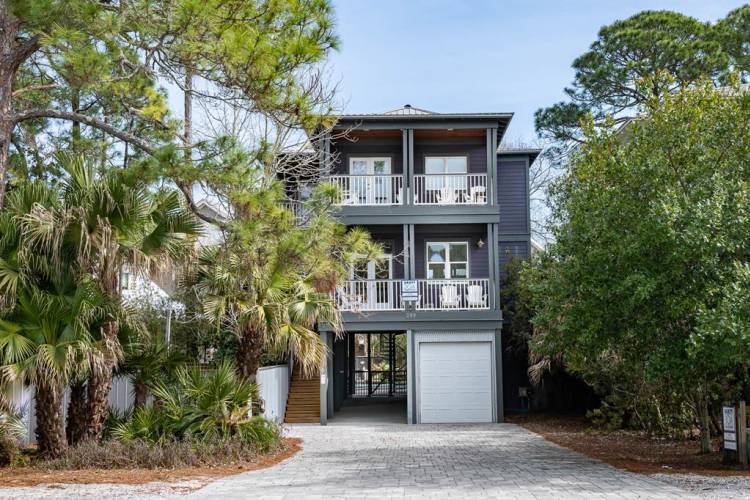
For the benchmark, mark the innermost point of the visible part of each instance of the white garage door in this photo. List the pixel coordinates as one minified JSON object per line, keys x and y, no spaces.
{"x":455,"y":382}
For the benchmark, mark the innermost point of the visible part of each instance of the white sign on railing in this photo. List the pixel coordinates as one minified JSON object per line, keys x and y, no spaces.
{"x":409,"y":291}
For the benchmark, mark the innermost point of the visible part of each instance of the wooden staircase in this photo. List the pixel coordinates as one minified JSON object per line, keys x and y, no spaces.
{"x":303,"y":403}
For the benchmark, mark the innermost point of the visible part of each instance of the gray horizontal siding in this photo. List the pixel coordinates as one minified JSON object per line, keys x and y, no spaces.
{"x":474,"y":148}
{"x":343,"y":149}
{"x":506,"y":249}
{"x":512,"y":196}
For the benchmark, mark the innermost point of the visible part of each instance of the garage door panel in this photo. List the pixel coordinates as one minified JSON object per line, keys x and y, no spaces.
{"x":455,"y":382}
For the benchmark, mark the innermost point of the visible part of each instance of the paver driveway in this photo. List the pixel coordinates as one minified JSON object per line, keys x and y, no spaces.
{"x":434,"y":461}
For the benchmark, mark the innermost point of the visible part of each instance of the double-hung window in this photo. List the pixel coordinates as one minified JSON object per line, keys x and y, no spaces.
{"x":442,"y":172}
{"x":447,"y":260}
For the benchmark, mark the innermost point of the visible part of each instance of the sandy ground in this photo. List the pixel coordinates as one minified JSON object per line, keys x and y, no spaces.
{"x":712,"y":487}
{"x":674,"y":462}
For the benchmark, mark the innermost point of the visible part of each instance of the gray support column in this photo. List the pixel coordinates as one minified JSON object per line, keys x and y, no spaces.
{"x":493,"y":290}
{"x":488,"y":144}
{"x":499,"y":375}
{"x":496,"y":265}
{"x":412,"y":243}
{"x":326,"y":382}
{"x":405,"y":162}
{"x":410,"y":162}
{"x":407,"y":252}
{"x":493,"y":161}
{"x":327,"y":167}
{"x":410,"y":378}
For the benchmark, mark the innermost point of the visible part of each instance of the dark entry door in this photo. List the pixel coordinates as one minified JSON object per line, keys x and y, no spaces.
{"x":377,"y":365}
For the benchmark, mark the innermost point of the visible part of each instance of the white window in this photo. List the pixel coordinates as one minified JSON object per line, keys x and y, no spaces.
{"x":124,"y":280}
{"x":446,"y":164}
{"x":369,"y":166}
{"x":447,"y":260}
{"x":439,"y":170}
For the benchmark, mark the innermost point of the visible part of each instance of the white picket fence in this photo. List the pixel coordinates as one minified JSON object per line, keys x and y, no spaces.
{"x":273,"y":382}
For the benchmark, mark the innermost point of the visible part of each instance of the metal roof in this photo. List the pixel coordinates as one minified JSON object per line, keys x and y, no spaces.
{"x":408,"y":109}
{"x":533,"y":153}
{"x":410,"y":112}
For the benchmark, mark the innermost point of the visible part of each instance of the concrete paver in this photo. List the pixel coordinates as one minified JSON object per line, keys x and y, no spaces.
{"x":435,"y":461}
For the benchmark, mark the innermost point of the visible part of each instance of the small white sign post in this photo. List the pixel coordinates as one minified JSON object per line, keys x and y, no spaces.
{"x":730,"y":428}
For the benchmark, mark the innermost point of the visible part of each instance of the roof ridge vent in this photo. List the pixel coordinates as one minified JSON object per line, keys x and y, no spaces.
{"x":408,"y":109}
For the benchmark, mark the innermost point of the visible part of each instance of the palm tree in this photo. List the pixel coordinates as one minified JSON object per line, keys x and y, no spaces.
{"x":47,"y":311}
{"x":270,"y":282}
{"x":103,"y":223}
{"x":147,"y":360}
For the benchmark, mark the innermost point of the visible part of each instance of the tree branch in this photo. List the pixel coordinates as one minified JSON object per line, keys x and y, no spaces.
{"x":33,"y":88}
{"x":25,"y":50}
{"x":133,"y":139}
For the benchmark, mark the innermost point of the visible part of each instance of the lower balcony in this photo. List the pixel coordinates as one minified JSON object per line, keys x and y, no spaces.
{"x":433,"y":295}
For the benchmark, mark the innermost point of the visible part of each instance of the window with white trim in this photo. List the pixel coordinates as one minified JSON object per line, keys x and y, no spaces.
{"x":440,"y":168}
{"x":125,"y":280}
{"x":446,"y":164}
{"x":369,"y":166}
{"x":447,"y":260}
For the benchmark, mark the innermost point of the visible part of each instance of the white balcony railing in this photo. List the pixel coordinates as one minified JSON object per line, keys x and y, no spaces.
{"x":369,"y":295}
{"x":368,"y":190}
{"x":450,"y":189}
{"x":442,"y":295}
{"x":434,"y":295}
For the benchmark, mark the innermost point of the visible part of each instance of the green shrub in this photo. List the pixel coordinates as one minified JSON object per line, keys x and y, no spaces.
{"x":12,"y":429}
{"x":199,"y":406}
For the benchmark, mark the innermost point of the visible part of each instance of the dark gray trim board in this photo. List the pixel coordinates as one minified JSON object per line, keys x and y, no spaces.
{"x":499,"y":375}
{"x":513,"y":237}
{"x":399,"y":321}
{"x":417,"y":215}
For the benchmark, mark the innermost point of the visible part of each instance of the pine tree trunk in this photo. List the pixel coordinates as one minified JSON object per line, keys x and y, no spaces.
{"x":50,"y":424}
{"x":8,"y":33}
{"x":77,"y":408}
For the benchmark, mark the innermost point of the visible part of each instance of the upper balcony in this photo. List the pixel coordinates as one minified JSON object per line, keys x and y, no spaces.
{"x":415,"y":175}
{"x":429,"y":189}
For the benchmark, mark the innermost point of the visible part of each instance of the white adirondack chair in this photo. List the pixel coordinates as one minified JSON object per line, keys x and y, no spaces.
{"x":478,"y":195}
{"x":449,"y":296}
{"x":475,"y":297}
{"x":446,"y":196}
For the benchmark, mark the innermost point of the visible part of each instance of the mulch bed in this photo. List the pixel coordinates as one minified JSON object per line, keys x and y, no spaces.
{"x":33,"y":476}
{"x":630,"y":450}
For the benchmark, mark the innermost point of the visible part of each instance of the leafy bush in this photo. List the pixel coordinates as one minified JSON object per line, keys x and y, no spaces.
{"x":201,"y":407}
{"x":12,"y":429}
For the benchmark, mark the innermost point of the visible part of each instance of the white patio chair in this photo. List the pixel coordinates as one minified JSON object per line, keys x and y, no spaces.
{"x":475,"y":297}
{"x":446,"y":196}
{"x":349,"y":198}
{"x":478,"y":195}
{"x":449,"y":296}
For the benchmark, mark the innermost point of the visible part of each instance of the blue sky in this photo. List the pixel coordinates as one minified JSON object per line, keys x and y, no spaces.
{"x":479,"y":55}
